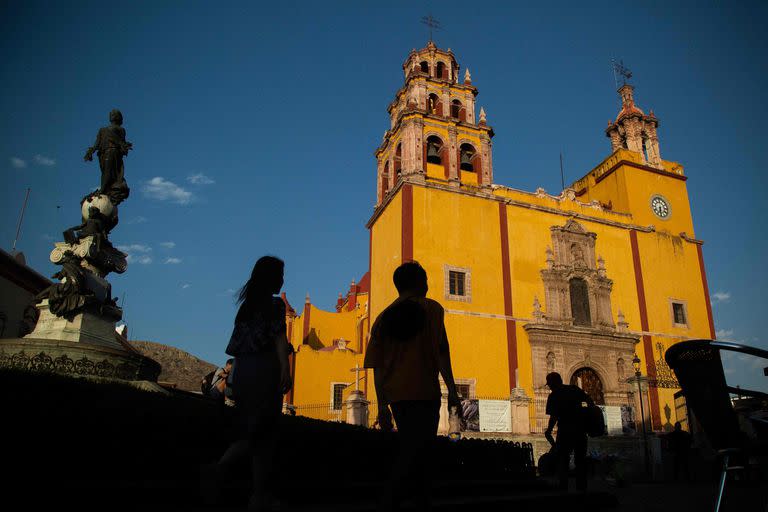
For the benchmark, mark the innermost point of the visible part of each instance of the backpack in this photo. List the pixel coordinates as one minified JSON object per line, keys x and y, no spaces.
{"x":207,"y":382}
{"x":594,"y":421}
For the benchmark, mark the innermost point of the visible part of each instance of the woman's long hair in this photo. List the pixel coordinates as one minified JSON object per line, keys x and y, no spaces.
{"x":256,"y":294}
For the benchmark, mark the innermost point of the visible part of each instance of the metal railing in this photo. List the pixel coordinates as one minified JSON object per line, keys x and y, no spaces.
{"x":324,"y":412}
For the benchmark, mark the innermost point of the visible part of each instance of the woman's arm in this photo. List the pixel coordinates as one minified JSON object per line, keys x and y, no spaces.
{"x":283,"y":349}
{"x":281,"y":343}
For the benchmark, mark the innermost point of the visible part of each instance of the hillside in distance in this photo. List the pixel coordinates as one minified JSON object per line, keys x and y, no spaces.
{"x":179,"y":367}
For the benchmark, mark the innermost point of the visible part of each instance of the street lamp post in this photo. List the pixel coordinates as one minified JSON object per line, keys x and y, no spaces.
{"x":636,"y":364}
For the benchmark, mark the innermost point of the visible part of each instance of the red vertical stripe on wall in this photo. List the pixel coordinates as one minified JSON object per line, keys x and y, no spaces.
{"x":307,"y":309}
{"x":647,"y":345}
{"x":507,"y":284}
{"x":370,"y":285}
{"x":292,"y":362}
{"x":407,"y":224}
{"x":706,"y":292}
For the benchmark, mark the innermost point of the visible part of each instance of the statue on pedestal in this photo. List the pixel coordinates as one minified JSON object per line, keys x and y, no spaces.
{"x":86,"y":254}
{"x":75,"y":330}
{"x":111,"y":147}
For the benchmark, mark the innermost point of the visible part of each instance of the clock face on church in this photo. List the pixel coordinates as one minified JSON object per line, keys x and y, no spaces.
{"x":660,"y":207}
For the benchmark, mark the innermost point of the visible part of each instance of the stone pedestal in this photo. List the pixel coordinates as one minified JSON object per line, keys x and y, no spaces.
{"x":357,"y":408}
{"x":77,"y":359}
{"x":519,"y":410}
{"x":85,"y":327}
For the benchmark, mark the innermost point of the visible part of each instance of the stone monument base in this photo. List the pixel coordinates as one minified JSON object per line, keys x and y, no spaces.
{"x":77,"y":359}
{"x":85,"y":327}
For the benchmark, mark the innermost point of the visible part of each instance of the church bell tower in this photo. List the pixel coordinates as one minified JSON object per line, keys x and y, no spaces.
{"x":435,"y":130}
{"x":634,"y":130}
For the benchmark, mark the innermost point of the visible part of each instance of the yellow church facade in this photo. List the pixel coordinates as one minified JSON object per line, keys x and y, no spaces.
{"x":577,"y":283}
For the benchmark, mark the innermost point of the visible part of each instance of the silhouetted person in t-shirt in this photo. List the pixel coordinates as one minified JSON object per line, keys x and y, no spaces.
{"x":679,"y":442}
{"x":566,"y":409}
{"x":407,"y":351}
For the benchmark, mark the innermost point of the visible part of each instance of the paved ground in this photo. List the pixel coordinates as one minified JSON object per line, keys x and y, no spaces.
{"x":675,"y":496}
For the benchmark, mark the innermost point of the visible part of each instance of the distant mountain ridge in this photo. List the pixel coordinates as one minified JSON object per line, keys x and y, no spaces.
{"x":179,"y":367}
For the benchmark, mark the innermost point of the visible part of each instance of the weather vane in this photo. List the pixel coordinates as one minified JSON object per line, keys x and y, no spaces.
{"x":432,"y":23}
{"x":620,"y":69}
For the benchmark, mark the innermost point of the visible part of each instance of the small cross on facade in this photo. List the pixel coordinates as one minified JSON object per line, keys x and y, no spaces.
{"x":357,"y":369}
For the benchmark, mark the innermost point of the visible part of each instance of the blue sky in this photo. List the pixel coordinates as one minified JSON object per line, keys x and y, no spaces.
{"x":254,"y":129}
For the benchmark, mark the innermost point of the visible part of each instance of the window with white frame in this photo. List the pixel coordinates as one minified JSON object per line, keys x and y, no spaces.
{"x":679,"y":311}
{"x":458,"y":283}
{"x":337,"y":395}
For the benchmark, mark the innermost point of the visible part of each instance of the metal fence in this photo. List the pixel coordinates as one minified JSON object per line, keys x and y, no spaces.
{"x":324,"y":412}
{"x":538,"y":416}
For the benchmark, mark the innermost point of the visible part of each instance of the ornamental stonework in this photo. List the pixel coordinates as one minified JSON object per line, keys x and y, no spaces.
{"x":574,"y":334}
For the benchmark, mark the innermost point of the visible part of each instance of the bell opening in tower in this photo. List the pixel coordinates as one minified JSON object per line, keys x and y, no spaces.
{"x":434,"y":146}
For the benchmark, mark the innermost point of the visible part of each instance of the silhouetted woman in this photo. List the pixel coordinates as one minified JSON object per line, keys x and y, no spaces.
{"x":261,"y":375}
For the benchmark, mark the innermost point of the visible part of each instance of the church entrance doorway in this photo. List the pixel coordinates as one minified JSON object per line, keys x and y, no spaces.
{"x":589,"y":381}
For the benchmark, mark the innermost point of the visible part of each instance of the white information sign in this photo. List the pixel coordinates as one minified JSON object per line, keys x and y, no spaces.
{"x":612,"y":416}
{"x":495,"y":416}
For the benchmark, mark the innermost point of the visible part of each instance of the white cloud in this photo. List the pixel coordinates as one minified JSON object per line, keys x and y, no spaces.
{"x":136,"y":220}
{"x":141,"y":259}
{"x":721,"y":296}
{"x":164,"y":190}
{"x":44,"y":160}
{"x":172,"y":261}
{"x":185,"y":286}
{"x":724,"y":334}
{"x":135,"y":248}
{"x":137,"y":253}
{"x":18,"y":163}
{"x":168,"y":245}
{"x":200,"y":179}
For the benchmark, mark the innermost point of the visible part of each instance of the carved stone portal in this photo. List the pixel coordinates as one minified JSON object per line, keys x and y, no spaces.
{"x":575,"y":334}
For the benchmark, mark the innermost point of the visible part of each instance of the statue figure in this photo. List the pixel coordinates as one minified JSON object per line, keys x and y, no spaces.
{"x":111,"y":147}
{"x":71,"y":295}
{"x":96,"y":225}
{"x":578,"y":256}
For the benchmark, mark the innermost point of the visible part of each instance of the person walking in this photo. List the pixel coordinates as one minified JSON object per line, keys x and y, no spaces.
{"x":219,"y":382}
{"x":679,"y":443}
{"x":407,"y":351}
{"x":566,"y":407}
{"x":259,"y":379}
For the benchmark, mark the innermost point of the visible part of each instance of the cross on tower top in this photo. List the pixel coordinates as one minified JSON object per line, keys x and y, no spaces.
{"x":432,"y":23}
{"x":621,"y":70}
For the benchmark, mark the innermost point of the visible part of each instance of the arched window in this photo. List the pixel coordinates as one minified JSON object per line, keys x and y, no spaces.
{"x":434,"y":149}
{"x":385,"y":180}
{"x":455,"y":109}
{"x":434,"y":106}
{"x":398,"y":161}
{"x":467,"y":157}
{"x":645,"y":148}
{"x":440,"y":71}
{"x":580,"y":302}
{"x":424,"y":67}
{"x":589,"y":381}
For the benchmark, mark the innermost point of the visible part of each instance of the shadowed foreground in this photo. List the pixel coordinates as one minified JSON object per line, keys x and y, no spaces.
{"x":107,"y":446}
